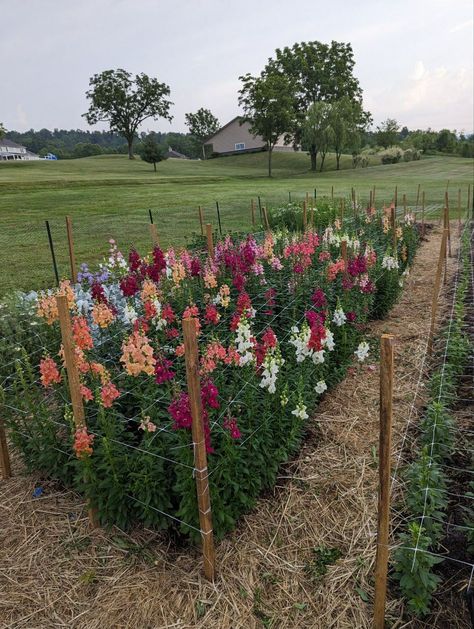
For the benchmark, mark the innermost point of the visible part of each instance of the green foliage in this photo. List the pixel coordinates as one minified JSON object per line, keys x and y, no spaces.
{"x":201,"y":125}
{"x":151,"y":152}
{"x":323,"y":557}
{"x":413,"y":569}
{"x":267,"y":105}
{"x":317,"y":133}
{"x":386,"y":133}
{"x":125,"y":101}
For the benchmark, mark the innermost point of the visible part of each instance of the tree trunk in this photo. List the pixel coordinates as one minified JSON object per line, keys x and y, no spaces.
{"x":270,"y":151}
{"x":313,"y":153}
{"x":154,"y":166}
{"x":323,"y":157}
{"x":130,"y":148}
{"x":338,"y":158}
{"x":203,"y":152}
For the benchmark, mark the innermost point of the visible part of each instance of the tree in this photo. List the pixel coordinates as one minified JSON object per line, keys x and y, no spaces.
{"x":125,"y":102}
{"x":386,"y":133}
{"x":446,"y":141}
{"x":267,"y":102}
{"x":201,"y":125}
{"x":151,"y":152}
{"x":86,"y":149}
{"x":2,"y":131}
{"x":347,"y":121}
{"x":318,"y":72}
{"x":316,"y":132}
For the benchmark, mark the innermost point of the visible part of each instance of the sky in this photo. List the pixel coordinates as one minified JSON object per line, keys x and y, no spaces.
{"x":414,"y":58}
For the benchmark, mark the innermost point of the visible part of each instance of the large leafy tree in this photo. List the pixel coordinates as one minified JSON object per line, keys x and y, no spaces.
{"x":386,"y":134}
{"x":347,"y":121}
{"x":201,"y":125}
{"x":318,"y":72}
{"x":267,"y":102}
{"x":125,"y":102}
{"x":316,"y":132}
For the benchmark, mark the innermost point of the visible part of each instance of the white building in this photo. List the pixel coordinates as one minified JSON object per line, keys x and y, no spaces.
{"x":11,"y":151}
{"x":236,"y":137}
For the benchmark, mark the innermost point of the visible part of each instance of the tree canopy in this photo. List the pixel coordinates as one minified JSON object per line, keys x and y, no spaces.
{"x":201,"y":125}
{"x":152,"y":152}
{"x":267,"y":104}
{"x":386,"y":133}
{"x":125,"y":102}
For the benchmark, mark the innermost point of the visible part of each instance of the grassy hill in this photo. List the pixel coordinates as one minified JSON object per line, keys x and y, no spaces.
{"x":109,"y":196}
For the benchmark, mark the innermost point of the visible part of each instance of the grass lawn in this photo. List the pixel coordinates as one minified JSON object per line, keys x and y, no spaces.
{"x":109,"y":196}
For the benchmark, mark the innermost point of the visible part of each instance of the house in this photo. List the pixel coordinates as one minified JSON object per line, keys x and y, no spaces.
{"x":11,"y":151}
{"x":235,"y":137}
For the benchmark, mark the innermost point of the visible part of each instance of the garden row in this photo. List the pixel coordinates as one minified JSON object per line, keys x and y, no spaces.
{"x":427,"y":488}
{"x":280,"y":317}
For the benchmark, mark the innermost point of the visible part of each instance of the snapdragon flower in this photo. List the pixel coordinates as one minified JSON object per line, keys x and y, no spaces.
{"x":389,"y":263}
{"x":320,"y":387}
{"x":339,"y":318}
{"x":362,"y":351}
{"x":300,"y":411}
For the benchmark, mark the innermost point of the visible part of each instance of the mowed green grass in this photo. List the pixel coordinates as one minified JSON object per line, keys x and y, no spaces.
{"x":109,"y":197}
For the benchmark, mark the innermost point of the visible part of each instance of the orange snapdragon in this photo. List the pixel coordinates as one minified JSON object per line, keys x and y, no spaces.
{"x":83,"y":442}
{"x":49,"y":372}
{"x":47,"y":308}
{"x":81,"y":333}
{"x":137,"y":355}
{"x":102,"y":315}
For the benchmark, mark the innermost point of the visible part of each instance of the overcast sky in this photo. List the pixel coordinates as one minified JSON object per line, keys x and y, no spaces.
{"x":413,"y":57}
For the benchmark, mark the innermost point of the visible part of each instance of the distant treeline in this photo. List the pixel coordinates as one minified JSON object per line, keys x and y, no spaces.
{"x":73,"y":143}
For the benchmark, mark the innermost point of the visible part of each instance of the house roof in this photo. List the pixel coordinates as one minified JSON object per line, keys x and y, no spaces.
{"x":222,"y":128}
{"x":172,"y":153}
{"x":11,"y":144}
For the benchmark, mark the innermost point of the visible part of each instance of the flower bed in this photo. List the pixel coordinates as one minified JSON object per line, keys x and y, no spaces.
{"x":279,"y":322}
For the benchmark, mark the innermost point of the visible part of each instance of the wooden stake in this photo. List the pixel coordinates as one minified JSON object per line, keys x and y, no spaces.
{"x":311,"y":217}
{"x":307,"y":199}
{"x":385,"y":446}
{"x":394,"y":231}
{"x":459,"y":210}
{"x":423,"y":214}
{"x":4,"y":455}
{"x":370,"y":199}
{"x":437,"y":283}
{"x":343,"y":203}
{"x":70,"y":241}
{"x":468,"y":206}
{"x":210,"y":240}
{"x":201,"y":220}
{"x":373,"y":197}
{"x":304,"y":215}
{"x":252,"y":212}
{"x":154,"y":235}
{"x":73,"y":379}
{"x":265,"y":218}
{"x":395,"y":199}
{"x":404,"y":204}
{"x":448,"y":227}
{"x":332,"y":193}
{"x":417,"y":196}
{"x":199,"y":442}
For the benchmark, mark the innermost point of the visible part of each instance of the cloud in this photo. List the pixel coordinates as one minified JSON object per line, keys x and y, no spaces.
{"x":460,"y":27}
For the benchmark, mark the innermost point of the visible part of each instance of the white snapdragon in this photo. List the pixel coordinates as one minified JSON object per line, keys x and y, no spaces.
{"x":320,"y":387}
{"x":389,"y":263}
{"x":129,"y":315}
{"x":300,"y":411}
{"x":362,"y":351}
{"x":409,"y":219}
{"x":271,"y":366}
{"x":328,"y":340}
{"x":339,"y":318}
{"x":243,"y":342}
{"x":158,"y":320}
{"x":318,"y":357}
{"x":299,"y":340}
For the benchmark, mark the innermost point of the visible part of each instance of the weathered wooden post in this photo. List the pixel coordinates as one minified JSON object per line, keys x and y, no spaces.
{"x":344,"y":255}
{"x":404,"y":204}
{"x":418,"y":195}
{"x":5,"y":465}
{"x":73,"y":379}
{"x":447,"y":226}
{"x":154,"y":235}
{"x":70,"y":241}
{"x":210,"y":240}
{"x":51,"y":248}
{"x":304,"y":215}
{"x":394,"y":230}
{"x":437,"y":283}
{"x":200,"y":457}
{"x":423,"y":214}
{"x":252,"y":212}
{"x":395,"y":198}
{"x":265,"y":218}
{"x":332,"y":193}
{"x":385,"y":446}
{"x":459,"y":210}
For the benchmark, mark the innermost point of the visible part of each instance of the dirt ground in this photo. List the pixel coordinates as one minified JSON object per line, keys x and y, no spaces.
{"x":55,"y":572}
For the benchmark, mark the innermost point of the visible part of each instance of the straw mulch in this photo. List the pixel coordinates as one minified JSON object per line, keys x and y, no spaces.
{"x":55,"y":572}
